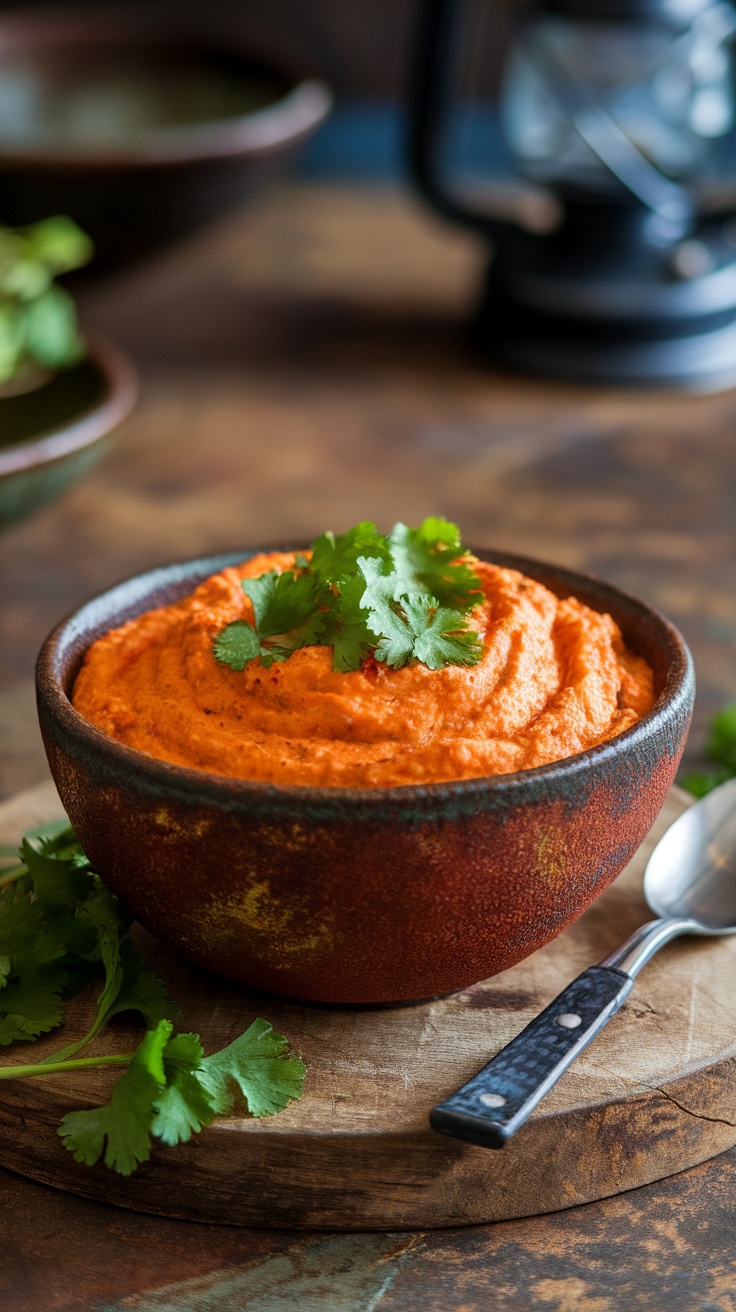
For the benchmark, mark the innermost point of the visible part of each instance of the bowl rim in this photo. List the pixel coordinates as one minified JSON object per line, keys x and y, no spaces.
{"x":296,"y":113}
{"x":676,"y":695}
{"x":121,"y":394}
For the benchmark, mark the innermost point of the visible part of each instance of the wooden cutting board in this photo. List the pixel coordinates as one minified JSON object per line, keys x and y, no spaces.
{"x":656,"y":1093}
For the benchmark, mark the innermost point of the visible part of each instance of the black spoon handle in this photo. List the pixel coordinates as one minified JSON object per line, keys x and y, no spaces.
{"x":501,"y":1097}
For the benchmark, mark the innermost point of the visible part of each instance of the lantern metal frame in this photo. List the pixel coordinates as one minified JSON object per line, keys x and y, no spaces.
{"x":633,"y":283}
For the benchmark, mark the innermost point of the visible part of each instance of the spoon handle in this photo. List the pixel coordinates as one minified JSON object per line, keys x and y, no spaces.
{"x":491,"y":1107}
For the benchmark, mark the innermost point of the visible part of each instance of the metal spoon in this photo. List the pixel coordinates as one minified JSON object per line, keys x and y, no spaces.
{"x":690,"y":883}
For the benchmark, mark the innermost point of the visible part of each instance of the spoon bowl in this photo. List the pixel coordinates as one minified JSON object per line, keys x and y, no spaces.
{"x":691,"y":874}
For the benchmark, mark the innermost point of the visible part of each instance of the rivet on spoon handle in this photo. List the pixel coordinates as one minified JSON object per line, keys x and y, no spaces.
{"x":491,"y":1107}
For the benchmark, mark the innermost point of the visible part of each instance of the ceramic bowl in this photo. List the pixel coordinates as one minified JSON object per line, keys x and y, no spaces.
{"x":52,"y":435}
{"x":141,"y":127}
{"x":360,"y":896}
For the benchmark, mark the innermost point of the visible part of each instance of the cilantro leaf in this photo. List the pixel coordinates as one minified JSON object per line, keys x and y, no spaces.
{"x":121,"y":1129}
{"x":32,"y":1004}
{"x":59,"y":244}
{"x":287,"y":617}
{"x":702,"y":782}
{"x":721,"y":746}
{"x":26,"y":279}
{"x":414,"y":626}
{"x":38,"y":320}
{"x":12,"y":340}
{"x":281,"y":602}
{"x":140,"y":990}
{"x":429,"y":559}
{"x":129,"y":984}
{"x":335,"y":557}
{"x":62,"y":880}
{"x":346,"y":626}
{"x":395,"y":644}
{"x":237,"y":644}
{"x":184,"y":1106}
{"x":308,"y":634}
{"x":254,"y":1066}
{"x":721,"y":750}
{"x":440,"y":636}
{"x":31,"y":998}
{"x":51,"y":335}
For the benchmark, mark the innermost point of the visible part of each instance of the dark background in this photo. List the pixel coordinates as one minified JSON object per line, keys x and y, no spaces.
{"x":362,"y":46}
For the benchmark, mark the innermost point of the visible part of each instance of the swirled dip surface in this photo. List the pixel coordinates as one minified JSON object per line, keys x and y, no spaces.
{"x":554,"y":680}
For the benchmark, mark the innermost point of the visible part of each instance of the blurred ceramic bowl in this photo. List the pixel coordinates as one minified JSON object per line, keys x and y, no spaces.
{"x":143,"y":128}
{"x":51,"y":434}
{"x":361,"y":895}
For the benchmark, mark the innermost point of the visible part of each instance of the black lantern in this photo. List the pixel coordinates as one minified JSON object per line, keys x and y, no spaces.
{"x":614,"y":237}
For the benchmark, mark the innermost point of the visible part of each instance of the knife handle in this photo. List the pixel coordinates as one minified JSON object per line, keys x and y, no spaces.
{"x":491,"y":1107}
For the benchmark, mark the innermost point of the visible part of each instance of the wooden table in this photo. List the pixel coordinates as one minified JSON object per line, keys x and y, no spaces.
{"x":304,"y":366}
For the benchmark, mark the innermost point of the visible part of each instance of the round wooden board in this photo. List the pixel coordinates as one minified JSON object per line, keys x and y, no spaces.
{"x":653,"y":1095}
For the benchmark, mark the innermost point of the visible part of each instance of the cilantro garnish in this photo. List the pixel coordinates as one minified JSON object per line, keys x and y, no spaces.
{"x":405,"y":597}
{"x":720,"y":749}
{"x":59,"y":927}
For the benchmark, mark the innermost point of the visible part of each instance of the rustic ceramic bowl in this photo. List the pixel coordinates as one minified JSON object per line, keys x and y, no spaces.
{"x":360,"y":896}
{"x":152,"y":184}
{"x":51,"y":436}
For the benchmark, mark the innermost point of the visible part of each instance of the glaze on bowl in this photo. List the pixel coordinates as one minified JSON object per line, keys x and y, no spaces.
{"x":51,"y":436}
{"x":361,"y":896}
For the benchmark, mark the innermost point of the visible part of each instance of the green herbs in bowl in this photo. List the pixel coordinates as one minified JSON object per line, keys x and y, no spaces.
{"x":61,"y":395}
{"x":39,"y":333}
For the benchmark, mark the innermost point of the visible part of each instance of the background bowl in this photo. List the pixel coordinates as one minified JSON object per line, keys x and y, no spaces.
{"x":50,"y":436}
{"x":142,"y":129}
{"x":361,"y":896}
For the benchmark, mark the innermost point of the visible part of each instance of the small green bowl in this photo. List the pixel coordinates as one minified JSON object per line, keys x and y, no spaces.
{"x":51,"y":436}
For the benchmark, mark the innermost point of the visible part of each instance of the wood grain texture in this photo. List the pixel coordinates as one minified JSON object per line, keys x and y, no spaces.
{"x":653,"y":1095}
{"x":668,"y":1245}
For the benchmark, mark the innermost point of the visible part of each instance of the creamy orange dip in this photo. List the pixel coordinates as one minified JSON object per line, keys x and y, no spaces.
{"x":555,"y":679}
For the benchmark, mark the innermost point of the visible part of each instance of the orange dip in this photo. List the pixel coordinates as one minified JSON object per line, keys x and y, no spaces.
{"x":555,"y":679}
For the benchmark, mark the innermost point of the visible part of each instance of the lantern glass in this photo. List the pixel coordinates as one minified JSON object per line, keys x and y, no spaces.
{"x":672,"y":94}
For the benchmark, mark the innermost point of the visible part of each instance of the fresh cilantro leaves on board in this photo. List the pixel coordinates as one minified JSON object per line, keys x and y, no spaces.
{"x":184,"y":1106}
{"x":405,"y":597}
{"x":721,"y":750}
{"x":254,"y":1069}
{"x":170,"y":1090}
{"x":59,"y":928}
{"x":121,"y":1129}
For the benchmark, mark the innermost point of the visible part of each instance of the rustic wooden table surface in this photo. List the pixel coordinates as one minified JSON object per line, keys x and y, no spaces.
{"x":304,"y":366}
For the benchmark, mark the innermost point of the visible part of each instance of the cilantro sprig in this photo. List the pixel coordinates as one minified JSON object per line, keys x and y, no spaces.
{"x":402,"y":598}
{"x":38,"y":319}
{"x":59,"y":928}
{"x":720,"y":750}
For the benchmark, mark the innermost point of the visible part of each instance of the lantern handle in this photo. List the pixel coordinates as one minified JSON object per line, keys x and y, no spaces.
{"x":427,"y":105}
